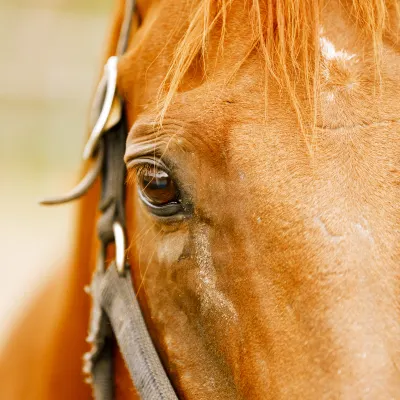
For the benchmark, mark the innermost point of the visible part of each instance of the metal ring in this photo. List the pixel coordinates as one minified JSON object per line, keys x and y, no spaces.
{"x":119,"y":237}
{"x":110,"y":71}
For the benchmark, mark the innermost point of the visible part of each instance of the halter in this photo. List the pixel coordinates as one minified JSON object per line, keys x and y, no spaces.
{"x":115,"y":312}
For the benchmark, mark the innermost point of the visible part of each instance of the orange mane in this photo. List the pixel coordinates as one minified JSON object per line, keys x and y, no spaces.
{"x":286,"y":33}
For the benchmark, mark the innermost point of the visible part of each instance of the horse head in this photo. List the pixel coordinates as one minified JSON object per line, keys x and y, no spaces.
{"x":263,"y":179}
{"x":261,"y":199}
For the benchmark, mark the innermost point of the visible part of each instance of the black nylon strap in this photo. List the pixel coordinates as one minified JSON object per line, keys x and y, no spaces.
{"x":113,"y":183}
{"x":98,"y":363}
{"x":117,"y":299}
{"x":115,"y":310}
{"x":116,"y":313}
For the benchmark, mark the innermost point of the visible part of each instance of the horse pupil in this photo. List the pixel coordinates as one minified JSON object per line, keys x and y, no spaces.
{"x":157,"y":186}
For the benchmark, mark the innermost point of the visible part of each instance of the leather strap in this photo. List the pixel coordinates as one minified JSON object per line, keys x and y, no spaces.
{"x":98,"y":362}
{"x":115,"y":310}
{"x":113,"y":174}
{"x":115,"y":296}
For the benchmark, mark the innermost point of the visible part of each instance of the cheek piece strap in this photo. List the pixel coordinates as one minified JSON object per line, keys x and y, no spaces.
{"x":115,"y":315}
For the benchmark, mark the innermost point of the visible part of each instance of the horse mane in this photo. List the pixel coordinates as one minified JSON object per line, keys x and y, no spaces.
{"x":286,"y":33}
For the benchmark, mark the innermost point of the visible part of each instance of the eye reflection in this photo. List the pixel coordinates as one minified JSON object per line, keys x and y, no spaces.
{"x":156,"y":186}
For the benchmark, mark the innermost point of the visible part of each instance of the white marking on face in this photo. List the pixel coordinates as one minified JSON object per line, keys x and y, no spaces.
{"x":326,"y":231}
{"x":364,"y":232}
{"x":329,"y":51}
{"x":331,"y":54}
{"x":211,"y":298}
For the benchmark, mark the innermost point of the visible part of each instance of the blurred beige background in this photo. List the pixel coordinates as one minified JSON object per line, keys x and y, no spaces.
{"x":50,"y":53}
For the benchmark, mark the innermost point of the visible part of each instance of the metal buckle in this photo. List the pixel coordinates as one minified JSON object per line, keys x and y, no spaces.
{"x":120,"y":248}
{"x":109,"y":116}
{"x":111,"y":109}
{"x":110,"y":104}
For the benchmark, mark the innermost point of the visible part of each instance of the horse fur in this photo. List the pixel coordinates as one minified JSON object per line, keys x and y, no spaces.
{"x":281,"y":119}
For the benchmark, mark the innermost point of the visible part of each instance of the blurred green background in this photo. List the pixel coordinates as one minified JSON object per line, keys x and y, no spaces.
{"x":50,"y":52}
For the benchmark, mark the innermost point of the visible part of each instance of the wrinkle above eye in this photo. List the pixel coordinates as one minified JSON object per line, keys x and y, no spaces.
{"x":144,"y":146}
{"x":146,"y":139}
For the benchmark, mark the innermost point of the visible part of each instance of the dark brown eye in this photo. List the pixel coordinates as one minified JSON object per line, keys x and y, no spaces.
{"x":156,"y":187}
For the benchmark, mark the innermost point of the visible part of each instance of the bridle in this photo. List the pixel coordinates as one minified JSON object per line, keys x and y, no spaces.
{"x":115,"y":312}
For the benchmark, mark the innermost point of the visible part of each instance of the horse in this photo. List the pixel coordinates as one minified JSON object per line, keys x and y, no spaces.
{"x":262,"y":206}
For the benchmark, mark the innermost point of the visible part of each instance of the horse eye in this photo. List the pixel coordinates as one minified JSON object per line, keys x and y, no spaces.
{"x":158,"y":190}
